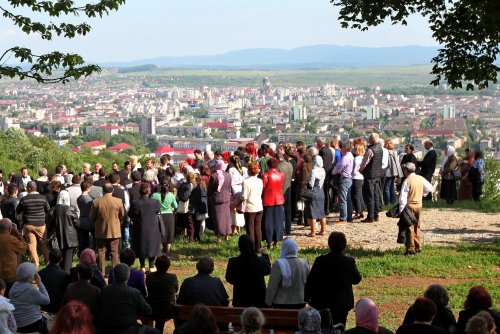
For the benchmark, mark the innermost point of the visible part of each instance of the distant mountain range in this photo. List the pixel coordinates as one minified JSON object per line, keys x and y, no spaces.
{"x":310,"y":57}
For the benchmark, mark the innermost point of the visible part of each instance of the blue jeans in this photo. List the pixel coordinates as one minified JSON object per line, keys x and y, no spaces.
{"x":126,"y":237}
{"x":345,"y":199}
{"x":389,"y":193}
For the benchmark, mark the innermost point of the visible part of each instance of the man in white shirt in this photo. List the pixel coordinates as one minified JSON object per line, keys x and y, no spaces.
{"x":412,"y":192}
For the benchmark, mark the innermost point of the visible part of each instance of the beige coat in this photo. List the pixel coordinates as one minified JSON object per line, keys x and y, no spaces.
{"x":107,"y":213}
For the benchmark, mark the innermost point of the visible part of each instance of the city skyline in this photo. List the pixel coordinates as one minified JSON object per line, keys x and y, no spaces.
{"x":194,"y":27}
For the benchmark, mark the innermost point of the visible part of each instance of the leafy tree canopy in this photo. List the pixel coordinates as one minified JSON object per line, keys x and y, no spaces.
{"x":467,"y":30}
{"x":41,"y":67}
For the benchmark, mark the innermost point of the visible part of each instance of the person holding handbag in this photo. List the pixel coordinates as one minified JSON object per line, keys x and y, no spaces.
{"x":315,"y":207}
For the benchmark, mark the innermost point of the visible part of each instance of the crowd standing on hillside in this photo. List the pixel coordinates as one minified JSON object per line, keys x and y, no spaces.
{"x":140,"y":211}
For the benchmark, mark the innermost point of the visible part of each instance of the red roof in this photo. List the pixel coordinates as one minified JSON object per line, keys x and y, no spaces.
{"x":33,"y":131}
{"x":94,"y":143}
{"x":164,"y":149}
{"x":219,"y":125}
{"x":120,"y":146}
{"x":74,"y":149}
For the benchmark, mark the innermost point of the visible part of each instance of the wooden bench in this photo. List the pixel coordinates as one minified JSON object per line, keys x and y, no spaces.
{"x":277,"y":320}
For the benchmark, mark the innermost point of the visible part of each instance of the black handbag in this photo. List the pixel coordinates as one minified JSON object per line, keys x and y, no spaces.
{"x":393,"y":212}
{"x":52,"y":242}
{"x":307,"y":194}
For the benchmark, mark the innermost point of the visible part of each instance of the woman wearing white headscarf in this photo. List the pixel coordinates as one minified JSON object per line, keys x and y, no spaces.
{"x":62,"y":224}
{"x":315,"y":208}
{"x":448,"y":182}
{"x":288,"y":278}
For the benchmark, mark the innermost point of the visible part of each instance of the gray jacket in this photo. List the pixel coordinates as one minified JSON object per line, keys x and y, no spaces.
{"x":276,"y":293}
{"x":27,"y":300}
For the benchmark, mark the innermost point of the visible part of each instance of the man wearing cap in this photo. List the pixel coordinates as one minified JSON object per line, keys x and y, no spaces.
{"x":412,"y":191}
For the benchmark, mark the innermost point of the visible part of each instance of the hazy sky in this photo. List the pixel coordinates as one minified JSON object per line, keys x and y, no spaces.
{"x":153,"y":28}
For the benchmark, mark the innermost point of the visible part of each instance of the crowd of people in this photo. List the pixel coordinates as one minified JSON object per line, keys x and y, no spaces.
{"x":138,"y":212}
{"x":81,"y":302}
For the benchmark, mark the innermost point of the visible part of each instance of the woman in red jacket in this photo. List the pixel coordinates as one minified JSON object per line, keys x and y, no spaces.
{"x":272,"y":199}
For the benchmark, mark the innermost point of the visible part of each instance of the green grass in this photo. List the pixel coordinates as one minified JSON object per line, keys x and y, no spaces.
{"x":391,"y":279}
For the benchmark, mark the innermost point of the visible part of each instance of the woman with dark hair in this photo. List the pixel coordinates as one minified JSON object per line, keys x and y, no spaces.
{"x":55,"y":189}
{"x":168,"y":204}
{"x":273,"y":200}
{"x":444,"y":317}
{"x":329,"y":284}
{"x":73,"y":318}
{"x":476,"y":175}
{"x":219,"y":198}
{"x":162,"y":287}
{"x":408,"y":157}
{"x":304,"y":168}
{"x":265,"y":150}
{"x":252,"y":198}
{"x":199,"y":202}
{"x":201,"y":321}
{"x":448,"y":183}
{"x":238,"y":175}
{"x":477,"y":300}
{"x":246,"y":273}
{"x":146,"y":236}
{"x":288,"y":278}
{"x":465,"y":188}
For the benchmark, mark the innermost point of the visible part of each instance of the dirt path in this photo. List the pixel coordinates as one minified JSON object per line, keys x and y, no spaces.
{"x":439,"y":227}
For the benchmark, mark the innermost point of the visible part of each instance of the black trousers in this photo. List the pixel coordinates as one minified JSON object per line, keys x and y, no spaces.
{"x":371,"y":192}
{"x":357,"y":195}
{"x":328,"y":196}
{"x":67,"y":255}
{"x":288,"y":210}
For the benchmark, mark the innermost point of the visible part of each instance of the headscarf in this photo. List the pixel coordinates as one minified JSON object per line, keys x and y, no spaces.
{"x":219,"y":168}
{"x":251,"y":150}
{"x":309,"y":320}
{"x":191,"y":162}
{"x":63,"y":198}
{"x":450,"y":150}
{"x":317,"y":162}
{"x":235,"y":160}
{"x":289,"y":250}
{"x":88,"y":256}
{"x":367,"y":314}
{"x":225,"y":156}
